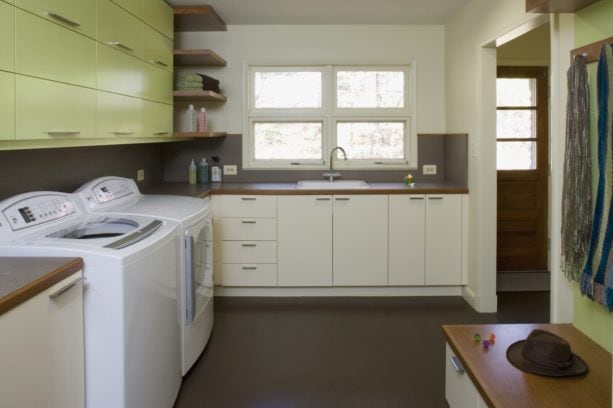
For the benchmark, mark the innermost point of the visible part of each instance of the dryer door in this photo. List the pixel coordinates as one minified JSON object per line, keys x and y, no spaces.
{"x":198,"y":268}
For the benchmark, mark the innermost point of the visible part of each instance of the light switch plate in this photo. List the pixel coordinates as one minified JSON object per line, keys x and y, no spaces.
{"x":429,"y":169}
{"x":140,"y":174}
{"x":230,"y":170}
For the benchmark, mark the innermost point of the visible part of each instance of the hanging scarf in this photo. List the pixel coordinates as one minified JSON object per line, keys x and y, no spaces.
{"x":577,"y":188}
{"x":596,"y":276}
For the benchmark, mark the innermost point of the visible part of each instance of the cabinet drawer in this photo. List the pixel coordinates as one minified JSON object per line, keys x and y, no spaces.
{"x":157,"y":119}
{"x":160,"y":16}
{"x":135,"y":7}
{"x":157,"y":83}
{"x":7,"y":37}
{"x":158,"y":49}
{"x":119,"y":116}
{"x":248,"y":206}
{"x":46,"y":50}
{"x":460,"y":391}
{"x":118,"y":72}
{"x":119,"y":29}
{"x":79,"y":16}
{"x":249,"y":275}
{"x":249,"y":252}
{"x":52,"y":110}
{"x":7,"y":106}
{"x":246,"y":229}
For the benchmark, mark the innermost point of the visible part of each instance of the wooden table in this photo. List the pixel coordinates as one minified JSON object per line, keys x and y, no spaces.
{"x":502,"y":385}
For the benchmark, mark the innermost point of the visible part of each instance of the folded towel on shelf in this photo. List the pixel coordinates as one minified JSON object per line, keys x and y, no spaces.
{"x":190,"y":84}
{"x":190,"y":77}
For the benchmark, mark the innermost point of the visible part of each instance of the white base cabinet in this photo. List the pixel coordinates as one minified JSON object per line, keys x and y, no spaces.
{"x":460,"y":392}
{"x":443,"y":240}
{"x":41,"y":350}
{"x":407,"y":245}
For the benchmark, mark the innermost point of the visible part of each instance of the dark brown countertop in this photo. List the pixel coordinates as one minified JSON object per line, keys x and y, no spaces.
{"x":204,"y":190}
{"x":24,"y":278}
{"x":502,"y":385}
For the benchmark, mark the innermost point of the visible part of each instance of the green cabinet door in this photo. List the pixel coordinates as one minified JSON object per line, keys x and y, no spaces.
{"x":76,"y":15}
{"x":119,"y":73}
{"x":157,"y":118}
{"x":52,"y":110}
{"x":119,"y":116}
{"x":119,"y":29}
{"x":46,"y":50}
{"x":135,"y":7}
{"x":7,"y":106}
{"x":7,"y":37}
{"x":157,"y":83}
{"x":158,"y":49}
{"x":160,"y":16}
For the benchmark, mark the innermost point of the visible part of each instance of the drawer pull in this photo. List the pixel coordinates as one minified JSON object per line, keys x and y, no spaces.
{"x":64,"y":133}
{"x":416,"y":198}
{"x":248,"y":222}
{"x":456,"y":364}
{"x":248,"y":198}
{"x":248,"y":245}
{"x":160,"y":63}
{"x":323,"y":199}
{"x":342,"y":199}
{"x":123,"y":133}
{"x":160,"y":133}
{"x":249,"y":268}
{"x":66,"y":288}
{"x":120,"y":45}
{"x":435,"y":198}
{"x":63,"y":19}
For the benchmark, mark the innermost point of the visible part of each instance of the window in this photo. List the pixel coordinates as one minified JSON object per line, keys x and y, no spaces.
{"x":296,"y":115}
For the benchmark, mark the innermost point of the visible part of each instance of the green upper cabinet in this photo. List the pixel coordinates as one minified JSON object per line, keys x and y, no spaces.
{"x":7,"y":37}
{"x":158,"y":49}
{"x":119,"y":29}
{"x":46,"y":50}
{"x":119,"y":116}
{"x":157,"y":84}
{"x":79,"y":16}
{"x":160,"y":16}
{"x":7,"y":106}
{"x":120,"y":73}
{"x":52,"y":110}
{"x":135,"y":7}
{"x":157,"y":119}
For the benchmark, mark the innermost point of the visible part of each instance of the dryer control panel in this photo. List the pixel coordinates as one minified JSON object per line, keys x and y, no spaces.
{"x":108,"y":190}
{"x":38,"y":209}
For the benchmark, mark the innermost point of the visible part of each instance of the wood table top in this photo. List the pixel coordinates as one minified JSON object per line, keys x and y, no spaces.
{"x":502,"y":385}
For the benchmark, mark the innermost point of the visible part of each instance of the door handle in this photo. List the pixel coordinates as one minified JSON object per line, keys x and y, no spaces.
{"x":248,"y":245}
{"x":342,"y":199}
{"x":457,"y":364}
{"x":248,"y":222}
{"x":65,"y":288}
{"x":63,"y":19}
{"x":120,"y":45}
{"x":249,"y":268}
{"x":416,"y":198}
{"x":64,"y":133}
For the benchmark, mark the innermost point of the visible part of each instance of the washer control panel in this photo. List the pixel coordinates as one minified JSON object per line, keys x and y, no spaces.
{"x":39,"y":209}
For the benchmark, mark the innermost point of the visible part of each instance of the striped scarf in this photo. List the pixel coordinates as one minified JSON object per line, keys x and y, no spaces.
{"x":577,"y":188}
{"x":597,"y":276}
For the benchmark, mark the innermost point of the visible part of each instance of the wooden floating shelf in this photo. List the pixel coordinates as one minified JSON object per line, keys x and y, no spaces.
{"x":200,"y":134}
{"x":198,"y":96}
{"x":197,"y":18}
{"x":198,"y":58}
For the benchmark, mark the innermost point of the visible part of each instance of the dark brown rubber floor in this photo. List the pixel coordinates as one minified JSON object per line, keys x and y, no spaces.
{"x":336,"y":352}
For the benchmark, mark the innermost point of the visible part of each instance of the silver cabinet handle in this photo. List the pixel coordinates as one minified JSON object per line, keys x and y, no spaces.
{"x":65,"y":133}
{"x":160,"y":133}
{"x":456,"y":364}
{"x":161,"y":63}
{"x":323,"y":199}
{"x":249,"y":268}
{"x":120,"y":45}
{"x":342,"y":198}
{"x":416,"y":198}
{"x":248,"y":222}
{"x":248,"y":198}
{"x":248,"y":245}
{"x":65,"y":288}
{"x":435,"y":198}
{"x":63,"y":19}
{"x":123,"y":133}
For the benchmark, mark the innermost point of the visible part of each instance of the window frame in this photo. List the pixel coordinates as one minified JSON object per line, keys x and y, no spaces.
{"x":330,"y":115}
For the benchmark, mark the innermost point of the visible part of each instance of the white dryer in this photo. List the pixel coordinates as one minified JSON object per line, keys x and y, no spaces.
{"x":131,"y":327}
{"x":121,"y":196}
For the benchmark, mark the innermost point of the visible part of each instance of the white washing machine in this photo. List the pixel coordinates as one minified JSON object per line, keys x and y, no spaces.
{"x":130,"y":262}
{"x":121,"y":196}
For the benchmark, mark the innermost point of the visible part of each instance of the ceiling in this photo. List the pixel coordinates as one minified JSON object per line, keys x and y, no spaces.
{"x":246,"y":12}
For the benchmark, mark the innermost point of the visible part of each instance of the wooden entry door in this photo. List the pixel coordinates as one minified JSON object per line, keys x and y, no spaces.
{"x":522,"y":162}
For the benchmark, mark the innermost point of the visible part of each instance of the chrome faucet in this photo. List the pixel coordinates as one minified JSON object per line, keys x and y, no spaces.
{"x":331,"y":175}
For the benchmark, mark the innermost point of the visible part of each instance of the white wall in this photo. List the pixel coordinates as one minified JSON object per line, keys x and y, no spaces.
{"x":325,"y":45}
{"x":470,"y":101}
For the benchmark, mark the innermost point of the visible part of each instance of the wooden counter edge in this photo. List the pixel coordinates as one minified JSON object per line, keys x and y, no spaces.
{"x":40,"y":285}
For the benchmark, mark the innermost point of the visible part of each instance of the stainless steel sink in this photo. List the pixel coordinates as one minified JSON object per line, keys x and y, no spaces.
{"x":332,"y":185}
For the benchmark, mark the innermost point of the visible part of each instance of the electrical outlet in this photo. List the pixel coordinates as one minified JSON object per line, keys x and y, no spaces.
{"x":140,"y":174}
{"x":230,"y":170}
{"x":429,"y":169}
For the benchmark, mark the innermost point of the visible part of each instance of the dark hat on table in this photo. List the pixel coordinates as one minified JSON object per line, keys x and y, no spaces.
{"x":544,"y":353}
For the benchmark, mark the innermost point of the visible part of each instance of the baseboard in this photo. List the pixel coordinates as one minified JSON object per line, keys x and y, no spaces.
{"x":322,"y":292}
{"x":523,"y":281}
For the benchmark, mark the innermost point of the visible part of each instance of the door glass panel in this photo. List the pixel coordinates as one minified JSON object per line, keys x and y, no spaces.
{"x":516,"y":155}
{"x":516,"y":92}
{"x":516,"y":124}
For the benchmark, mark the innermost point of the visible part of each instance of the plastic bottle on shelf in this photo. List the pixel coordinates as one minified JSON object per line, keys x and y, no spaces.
{"x":191,"y":121}
{"x":202,"y":122}
{"x":203,"y":172}
{"x":192,"y":172}
{"x":215,"y":170}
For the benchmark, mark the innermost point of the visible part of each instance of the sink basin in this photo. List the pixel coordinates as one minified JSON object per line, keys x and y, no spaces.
{"x":331,"y":185}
